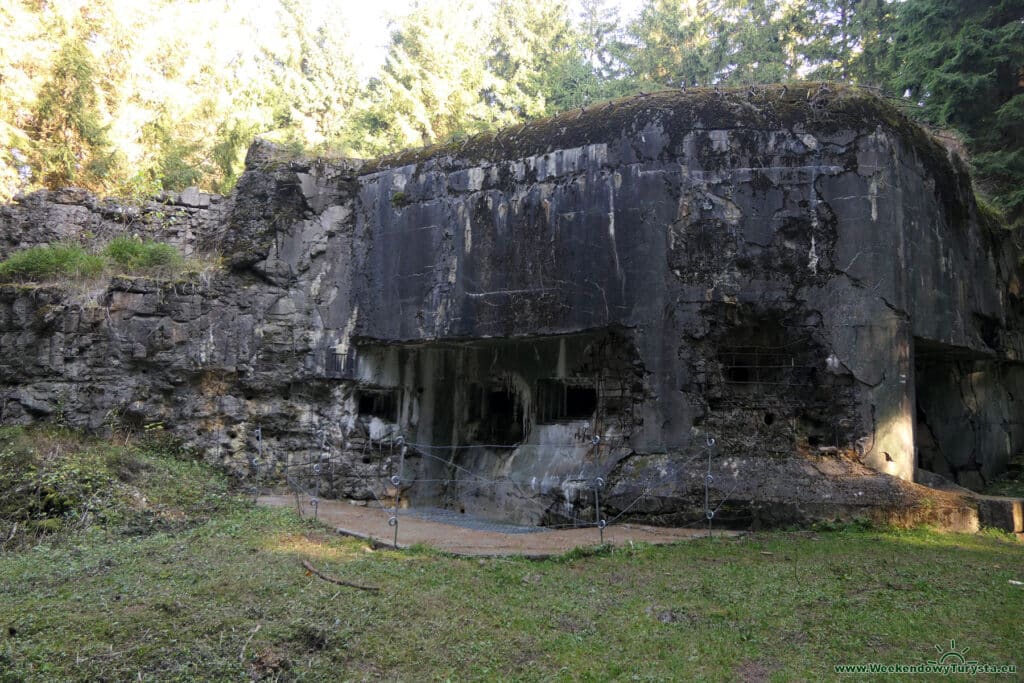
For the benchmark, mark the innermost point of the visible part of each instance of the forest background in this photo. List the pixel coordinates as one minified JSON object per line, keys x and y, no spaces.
{"x":134,"y":97}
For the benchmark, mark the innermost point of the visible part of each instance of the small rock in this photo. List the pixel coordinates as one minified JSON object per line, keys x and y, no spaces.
{"x":191,"y":196}
{"x":669,"y":616}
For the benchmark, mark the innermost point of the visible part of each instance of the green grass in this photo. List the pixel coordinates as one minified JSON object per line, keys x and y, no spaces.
{"x":123,"y":255}
{"x":223,"y":597}
{"x":134,"y":254}
{"x":52,"y":261}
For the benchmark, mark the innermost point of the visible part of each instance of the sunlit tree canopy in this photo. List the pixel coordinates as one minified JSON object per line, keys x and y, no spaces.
{"x":132,"y":97}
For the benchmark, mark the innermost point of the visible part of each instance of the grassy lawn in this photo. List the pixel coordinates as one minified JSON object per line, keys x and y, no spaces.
{"x":216,"y":592}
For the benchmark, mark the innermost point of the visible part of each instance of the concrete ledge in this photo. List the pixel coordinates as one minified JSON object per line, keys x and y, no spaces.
{"x":1002,"y":512}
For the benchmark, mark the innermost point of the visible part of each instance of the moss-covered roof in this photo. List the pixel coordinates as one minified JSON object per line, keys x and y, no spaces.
{"x":817,"y":107}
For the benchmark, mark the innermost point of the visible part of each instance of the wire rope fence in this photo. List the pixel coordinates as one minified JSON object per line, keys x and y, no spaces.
{"x":588,"y":500}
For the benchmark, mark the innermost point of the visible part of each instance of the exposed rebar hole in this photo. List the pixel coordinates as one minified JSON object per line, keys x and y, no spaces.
{"x":738,"y":374}
{"x":768,"y":418}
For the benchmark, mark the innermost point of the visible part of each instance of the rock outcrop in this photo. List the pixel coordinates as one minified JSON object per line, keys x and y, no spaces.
{"x":795,"y":282}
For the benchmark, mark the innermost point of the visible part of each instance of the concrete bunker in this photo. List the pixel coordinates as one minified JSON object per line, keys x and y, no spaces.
{"x":798,"y":273}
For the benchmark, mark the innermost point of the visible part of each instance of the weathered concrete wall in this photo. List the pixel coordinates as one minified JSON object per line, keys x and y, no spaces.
{"x":594,"y":295}
{"x":857,"y":234}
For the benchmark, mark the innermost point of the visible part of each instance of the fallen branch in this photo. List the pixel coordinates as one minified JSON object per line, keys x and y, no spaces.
{"x":248,"y":640}
{"x":330,"y":579}
{"x":10,"y":537}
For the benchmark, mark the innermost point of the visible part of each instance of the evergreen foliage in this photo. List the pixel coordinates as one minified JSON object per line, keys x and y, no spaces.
{"x":71,"y":144}
{"x":433,"y":82}
{"x":534,"y":55}
{"x":961,"y":63}
{"x":132,"y":98}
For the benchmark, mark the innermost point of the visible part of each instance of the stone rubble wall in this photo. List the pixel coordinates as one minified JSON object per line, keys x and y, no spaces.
{"x":76,"y":215}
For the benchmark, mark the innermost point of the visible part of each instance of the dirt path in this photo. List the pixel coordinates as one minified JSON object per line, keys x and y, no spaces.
{"x":372,"y":523}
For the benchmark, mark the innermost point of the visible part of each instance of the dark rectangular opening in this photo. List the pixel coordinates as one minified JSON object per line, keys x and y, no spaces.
{"x":335,"y":363}
{"x":614,"y":405}
{"x":558,"y":401}
{"x":380,"y":403}
{"x":953,"y":434}
{"x":501,"y":403}
{"x":502,"y":421}
{"x":474,"y":403}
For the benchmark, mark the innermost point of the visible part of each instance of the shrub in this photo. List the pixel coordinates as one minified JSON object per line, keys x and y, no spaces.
{"x":48,"y":478}
{"x":134,"y":254}
{"x":56,"y":480}
{"x":58,"y":260}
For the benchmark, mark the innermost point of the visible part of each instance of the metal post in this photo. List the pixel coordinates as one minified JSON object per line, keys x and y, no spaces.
{"x":327,"y":456}
{"x":316,"y":498}
{"x":258,"y":461}
{"x":595,"y":441}
{"x":708,"y":480}
{"x":396,"y":481}
{"x":401,"y":456}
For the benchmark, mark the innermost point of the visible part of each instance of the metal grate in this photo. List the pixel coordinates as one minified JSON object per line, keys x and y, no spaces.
{"x":747,"y":365}
{"x":335,"y":363}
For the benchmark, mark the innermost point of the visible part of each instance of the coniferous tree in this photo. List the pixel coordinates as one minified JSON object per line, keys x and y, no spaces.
{"x":960,"y":64}
{"x":707,"y":42}
{"x":534,"y":54}
{"x":841,"y":40}
{"x":69,"y":138}
{"x":432,"y":84}
{"x":589,"y":66}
